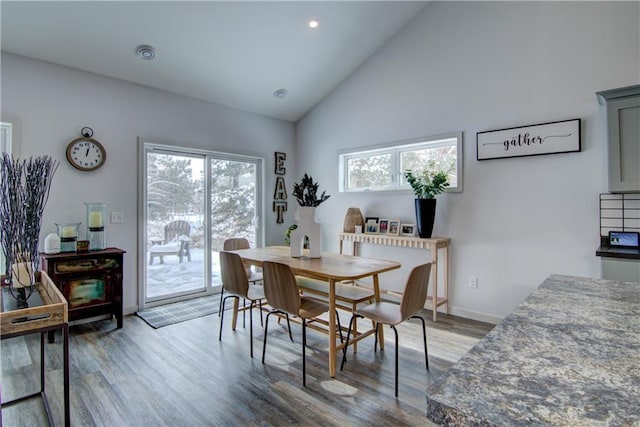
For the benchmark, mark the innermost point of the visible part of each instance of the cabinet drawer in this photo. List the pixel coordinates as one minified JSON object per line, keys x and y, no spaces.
{"x":85,"y":291}
{"x":83,"y":265}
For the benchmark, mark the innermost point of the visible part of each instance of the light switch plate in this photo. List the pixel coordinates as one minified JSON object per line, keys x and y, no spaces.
{"x":117,"y":217}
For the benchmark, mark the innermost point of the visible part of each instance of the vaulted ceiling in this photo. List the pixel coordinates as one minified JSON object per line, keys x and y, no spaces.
{"x":232,"y":53}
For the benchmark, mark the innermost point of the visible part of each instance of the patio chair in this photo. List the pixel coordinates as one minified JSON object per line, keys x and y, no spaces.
{"x":176,"y":242}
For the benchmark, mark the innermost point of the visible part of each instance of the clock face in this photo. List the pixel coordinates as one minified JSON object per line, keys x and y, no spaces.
{"x":86,"y":154}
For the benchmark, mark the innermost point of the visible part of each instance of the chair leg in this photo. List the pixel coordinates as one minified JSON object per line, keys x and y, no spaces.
{"x":251,"y":326}
{"x":244,"y":313}
{"x":375,"y":343}
{"x":396,"y":332}
{"x":346,"y":345}
{"x":424,"y":340}
{"x":266,"y":327}
{"x":289,"y":326}
{"x":261,"y":323}
{"x":222,"y":303}
{"x":221,"y":296}
{"x":304,"y":358}
{"x":339,"y":327}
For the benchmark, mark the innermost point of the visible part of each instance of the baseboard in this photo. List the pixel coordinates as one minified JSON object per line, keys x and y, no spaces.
{"x":130,"y":310}
{"x":475,"y":315}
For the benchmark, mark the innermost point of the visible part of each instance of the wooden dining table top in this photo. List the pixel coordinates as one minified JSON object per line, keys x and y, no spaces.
{"x":330,"y":266}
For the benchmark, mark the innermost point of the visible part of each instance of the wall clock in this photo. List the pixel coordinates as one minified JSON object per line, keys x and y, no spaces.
{"x":85,"y":153}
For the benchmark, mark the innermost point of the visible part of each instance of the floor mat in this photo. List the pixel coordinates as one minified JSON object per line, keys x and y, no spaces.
{"x":169,"y":314}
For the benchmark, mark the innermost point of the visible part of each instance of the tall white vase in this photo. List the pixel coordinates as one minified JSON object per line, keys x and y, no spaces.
{"x":309,"y":227}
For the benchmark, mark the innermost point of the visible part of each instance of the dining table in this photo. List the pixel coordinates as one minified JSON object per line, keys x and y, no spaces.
{"x":330,"y":268}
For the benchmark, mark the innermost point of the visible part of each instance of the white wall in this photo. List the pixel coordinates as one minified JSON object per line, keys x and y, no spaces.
{"x":50,"y":104}
{"x":474,"y":67}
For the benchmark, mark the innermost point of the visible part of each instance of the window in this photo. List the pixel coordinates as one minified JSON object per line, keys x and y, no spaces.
{"x":381,"y":168}
{"x":5,"y":137}
{"x":5,"y":147}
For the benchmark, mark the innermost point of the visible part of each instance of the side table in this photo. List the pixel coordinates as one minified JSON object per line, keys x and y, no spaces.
{"x":47,"y":313}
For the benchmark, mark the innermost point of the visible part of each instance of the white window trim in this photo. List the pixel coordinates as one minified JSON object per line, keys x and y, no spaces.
{"x":398,"y":147}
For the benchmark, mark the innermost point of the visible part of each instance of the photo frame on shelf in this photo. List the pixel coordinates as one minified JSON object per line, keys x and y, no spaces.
{"x":383,"y":226}
{"x":371,"y":227}
{"x":408,"y":230}
{"x":371,"y":219}
{"x":394,"y":227}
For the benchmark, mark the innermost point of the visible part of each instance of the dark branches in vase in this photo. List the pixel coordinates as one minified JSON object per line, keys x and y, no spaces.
{"x":24,"y":190}
{"x":306,"y":192}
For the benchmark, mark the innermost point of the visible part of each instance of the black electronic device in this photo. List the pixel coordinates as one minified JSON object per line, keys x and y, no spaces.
{"x":624,"y":239}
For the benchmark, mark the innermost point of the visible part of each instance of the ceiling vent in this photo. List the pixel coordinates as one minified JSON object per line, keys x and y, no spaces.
{"x":280,"y":93}
{"x":146,"y":52}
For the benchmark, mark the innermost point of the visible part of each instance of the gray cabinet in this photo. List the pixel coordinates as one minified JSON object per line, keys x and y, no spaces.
{"x":622,"y":107}
{"x":624,"y":270}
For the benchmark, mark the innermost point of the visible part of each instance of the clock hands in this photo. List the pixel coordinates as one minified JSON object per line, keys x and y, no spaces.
{"x":87,"y":155}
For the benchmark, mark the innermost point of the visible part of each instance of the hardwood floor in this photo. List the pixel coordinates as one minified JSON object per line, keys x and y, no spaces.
{"x":181,"y":375}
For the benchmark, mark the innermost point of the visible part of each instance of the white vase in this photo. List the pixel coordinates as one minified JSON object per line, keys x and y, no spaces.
{"x":307,"y":227}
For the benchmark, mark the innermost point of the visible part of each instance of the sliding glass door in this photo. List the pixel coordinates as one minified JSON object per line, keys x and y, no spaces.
{"x":193,"y":201}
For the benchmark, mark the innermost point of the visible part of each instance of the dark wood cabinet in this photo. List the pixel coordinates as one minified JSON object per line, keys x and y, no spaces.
{"x":90,"y":281}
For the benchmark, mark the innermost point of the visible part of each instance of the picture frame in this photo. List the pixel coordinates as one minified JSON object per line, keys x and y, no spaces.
{"x":408,"y":230}
{"x":371,"y":219}
{"x":371,"y":228}
{"x":533,"y":140}
{"x":394,"y":227}
{"x":383,"y":226}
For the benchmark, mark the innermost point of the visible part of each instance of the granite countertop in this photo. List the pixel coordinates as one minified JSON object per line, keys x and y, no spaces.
{"x":569,"y":355}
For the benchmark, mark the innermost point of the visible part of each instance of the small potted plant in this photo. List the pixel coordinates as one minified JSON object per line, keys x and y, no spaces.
{"x":306,"y":193}
{"x":426,"y":185}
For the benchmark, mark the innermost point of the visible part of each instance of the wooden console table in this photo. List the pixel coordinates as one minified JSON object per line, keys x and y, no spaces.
{"x":90,"y":281}
{"x":434,"y":245}
{"x":47,"y":312}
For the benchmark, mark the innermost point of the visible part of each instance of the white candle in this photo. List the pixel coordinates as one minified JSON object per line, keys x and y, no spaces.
{"x":95,"y":219}
{"x":68,"y":232}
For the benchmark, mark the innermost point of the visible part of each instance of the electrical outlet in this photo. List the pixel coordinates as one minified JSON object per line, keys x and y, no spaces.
{"x":117,"y":217}
{"x":473,"y":282}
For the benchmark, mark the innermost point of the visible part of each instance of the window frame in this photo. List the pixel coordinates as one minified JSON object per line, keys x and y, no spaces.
{"x":396,"y":148}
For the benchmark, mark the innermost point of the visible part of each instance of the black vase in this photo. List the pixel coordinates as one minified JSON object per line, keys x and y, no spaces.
{"x":425,"y":216}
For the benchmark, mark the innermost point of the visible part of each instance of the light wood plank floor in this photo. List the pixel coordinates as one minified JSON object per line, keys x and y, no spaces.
{"x":181,"y":375}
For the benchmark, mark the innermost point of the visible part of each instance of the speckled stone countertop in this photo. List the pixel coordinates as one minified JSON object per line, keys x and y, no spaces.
{"x":569,"y":355}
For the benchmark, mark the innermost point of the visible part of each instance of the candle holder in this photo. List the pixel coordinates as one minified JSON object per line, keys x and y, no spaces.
{"x":96,"y":215}
{"x":68,"y":233}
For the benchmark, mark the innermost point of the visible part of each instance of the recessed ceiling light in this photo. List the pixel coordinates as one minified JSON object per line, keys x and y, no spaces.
{"x":280,"y":93}
{"x":313,"y":23}
{"x":146,"y":52}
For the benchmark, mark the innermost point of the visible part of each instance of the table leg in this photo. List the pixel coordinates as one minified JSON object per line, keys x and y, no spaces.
{"x":67,"y":408}
{"x":434,"y":279}
{"x":332,"y":328}
{"x":445,"y":277}
{"x":376,"y":294}
{"x":234,"y":317}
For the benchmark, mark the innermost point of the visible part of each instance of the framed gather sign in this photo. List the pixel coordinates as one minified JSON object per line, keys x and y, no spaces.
{"x":533,"y":140}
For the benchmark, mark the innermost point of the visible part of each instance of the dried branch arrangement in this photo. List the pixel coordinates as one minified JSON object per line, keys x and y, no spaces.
{"x":306,"y":192}
{"x":24,"y":191}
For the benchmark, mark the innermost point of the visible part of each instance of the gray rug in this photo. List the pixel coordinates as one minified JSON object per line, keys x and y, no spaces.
{"x":168,"y":314}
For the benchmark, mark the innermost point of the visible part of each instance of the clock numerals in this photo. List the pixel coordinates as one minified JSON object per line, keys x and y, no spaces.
{"x":85,"y":154}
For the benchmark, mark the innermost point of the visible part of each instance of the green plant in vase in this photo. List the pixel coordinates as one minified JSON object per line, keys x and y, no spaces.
{"x":426,"y":185}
